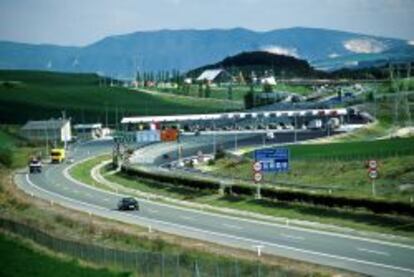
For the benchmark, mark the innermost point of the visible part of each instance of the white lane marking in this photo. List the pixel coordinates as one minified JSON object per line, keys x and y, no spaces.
{"x":231,"y":226}
{"x":151,"y":211}
{"x":258,"y":242}
{"x":75,"y":191}
{"x":68,"y":176}
{"x":292,"y":237}
{"x":65,"y":188}
{"x":58,"y":185}
{"x":374,"y":251}
{"x":106,"y":199}
{"x":186,"y":217}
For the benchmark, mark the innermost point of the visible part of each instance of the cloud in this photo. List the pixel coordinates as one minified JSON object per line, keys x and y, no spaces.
{"x":275,"y":49}
{"x":410,"y":42}
{"x":333,"y":55}
{"x":365,"y":46}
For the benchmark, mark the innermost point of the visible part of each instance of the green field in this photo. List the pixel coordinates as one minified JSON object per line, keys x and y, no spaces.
{"x":28,"y":95}
{"x":14,"y":150}
{"x":20,"y":260}
{"x":238,"y":91}
{"x":358,"y":150}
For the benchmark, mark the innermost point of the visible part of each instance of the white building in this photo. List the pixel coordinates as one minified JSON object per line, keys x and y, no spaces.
{"x":215,"y":76}
{"x":268,"y":81}
{"x":89,"y":131}
{"x":58,"y":130}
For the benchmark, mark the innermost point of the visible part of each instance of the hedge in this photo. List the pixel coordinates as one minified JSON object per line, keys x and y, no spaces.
{"x":330,"y":201}
{"x":176,"y":180}
{"x":373,"y":205}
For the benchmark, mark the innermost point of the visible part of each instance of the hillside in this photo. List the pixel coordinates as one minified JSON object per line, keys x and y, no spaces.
{"x":123,"y":55}
{"x":34,"y":95}
{"x":260,"y":62}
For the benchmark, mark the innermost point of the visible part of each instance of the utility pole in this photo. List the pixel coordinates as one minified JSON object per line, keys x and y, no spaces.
{"x":296,"y":128}
{"x":65,"y":135}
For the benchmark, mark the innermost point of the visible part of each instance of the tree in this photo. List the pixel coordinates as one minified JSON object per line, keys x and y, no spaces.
{"x":200,"y":89}
{"x":249,"y":100}
{"x":138,"y":77}
{"x":207,"y":91}
{"x":267,"y":87}
{"x":230,"y":92}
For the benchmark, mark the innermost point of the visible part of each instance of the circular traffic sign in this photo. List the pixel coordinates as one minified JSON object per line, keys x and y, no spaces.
{"x":373,"y":174}
{"x":258,"y":176}
{"x":373,"y":164}
{"x":257,"y":166}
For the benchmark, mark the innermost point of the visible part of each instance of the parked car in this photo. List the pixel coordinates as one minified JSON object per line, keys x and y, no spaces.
{"x":128,"y":203}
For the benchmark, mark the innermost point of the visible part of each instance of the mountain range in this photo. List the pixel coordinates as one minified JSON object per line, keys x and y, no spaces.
{"x":121,"y":56}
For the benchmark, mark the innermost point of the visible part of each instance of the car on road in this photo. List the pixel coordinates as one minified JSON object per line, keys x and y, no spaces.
{"x":35,"y":165}
{"x":128,"y":203}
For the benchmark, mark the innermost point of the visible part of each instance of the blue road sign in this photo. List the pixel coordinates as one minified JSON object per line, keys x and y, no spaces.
{"x":273,"y":159}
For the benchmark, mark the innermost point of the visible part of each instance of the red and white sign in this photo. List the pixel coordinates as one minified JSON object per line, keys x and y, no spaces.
{"x":373,"y":164}
{"x":373,"y":174}
{"x":257,"y":177}
{"x":257,"y":166}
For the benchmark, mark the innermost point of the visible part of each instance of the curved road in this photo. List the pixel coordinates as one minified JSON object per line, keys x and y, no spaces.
{"x":362,"y":255}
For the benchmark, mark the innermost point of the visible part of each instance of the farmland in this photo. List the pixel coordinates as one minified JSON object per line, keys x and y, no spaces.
{"x":40,"y":95}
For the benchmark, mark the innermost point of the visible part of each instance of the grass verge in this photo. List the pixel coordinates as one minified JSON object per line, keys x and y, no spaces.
{"x":20,"y":259}
{"x":72,"y":225}
{"x":357,"y":220}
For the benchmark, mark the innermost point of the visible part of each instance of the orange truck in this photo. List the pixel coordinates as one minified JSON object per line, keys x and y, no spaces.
{"x":169,"y":134}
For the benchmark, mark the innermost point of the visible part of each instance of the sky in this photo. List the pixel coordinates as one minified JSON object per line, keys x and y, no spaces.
{"x":82,"y":22}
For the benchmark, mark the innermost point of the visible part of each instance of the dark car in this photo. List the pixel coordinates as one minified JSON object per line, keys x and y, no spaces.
{"x":128,"y":203}
{"x":35,"y":166}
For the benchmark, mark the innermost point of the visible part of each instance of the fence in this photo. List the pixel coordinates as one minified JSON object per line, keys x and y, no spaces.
{"x":145,"y":263}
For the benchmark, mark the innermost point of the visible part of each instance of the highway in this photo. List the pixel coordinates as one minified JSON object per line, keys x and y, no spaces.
{"x":363,"y":255}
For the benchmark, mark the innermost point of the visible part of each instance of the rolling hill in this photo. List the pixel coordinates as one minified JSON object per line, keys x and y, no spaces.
{"x":261,"y":62}
{"x":38,"y":95}
{"x":121,"y":56}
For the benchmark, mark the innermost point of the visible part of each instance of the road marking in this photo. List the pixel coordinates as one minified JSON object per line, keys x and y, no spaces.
{"x":186,"y":217}
{"x":106,"y":199}
{"x":75,"y":191}
{"x":374,"y":251}
{"x":320,"y":232}
{"x":232,"y":226}
{"x":151,"y":211}
{"x":98,"y":208}
{"x":292,"y":237}
{"x":58,"y":185}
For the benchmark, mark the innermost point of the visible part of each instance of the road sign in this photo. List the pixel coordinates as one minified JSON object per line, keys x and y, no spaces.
{"x":257,"y":177}
{"x":257,"y":166}
{"x":273,"y":159}
{"x":373,"y":174}
{"x":373,"y":164}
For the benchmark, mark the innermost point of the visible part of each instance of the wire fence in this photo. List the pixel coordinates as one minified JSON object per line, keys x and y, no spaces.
{"x":145,"y":263}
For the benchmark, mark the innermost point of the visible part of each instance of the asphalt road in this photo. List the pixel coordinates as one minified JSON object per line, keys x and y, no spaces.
{"x":363,"y":255}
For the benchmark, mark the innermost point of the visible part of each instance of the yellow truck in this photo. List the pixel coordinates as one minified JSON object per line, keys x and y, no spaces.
{"x":57,"y":155}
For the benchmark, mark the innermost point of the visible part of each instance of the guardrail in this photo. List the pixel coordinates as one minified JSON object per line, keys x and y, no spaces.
{"x":145,"y":263}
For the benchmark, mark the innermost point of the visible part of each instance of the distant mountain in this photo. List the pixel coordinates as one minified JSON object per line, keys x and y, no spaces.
{"x":261,"y":62}
{"x":398,"y":54}
{"x":120,"y":56}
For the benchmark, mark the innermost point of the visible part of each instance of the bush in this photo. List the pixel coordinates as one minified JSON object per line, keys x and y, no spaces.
{"x":220,"y":154}
{"x":176,"y":180}
{"x":6,"y":157}
{"x":373,"y":205}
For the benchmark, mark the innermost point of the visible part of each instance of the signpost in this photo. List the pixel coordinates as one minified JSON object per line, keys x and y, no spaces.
{"x":269,"y":160}
{"x":273,"y":159}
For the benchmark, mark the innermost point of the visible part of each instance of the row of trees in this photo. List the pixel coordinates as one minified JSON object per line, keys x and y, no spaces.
{"x":173,"y":75}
